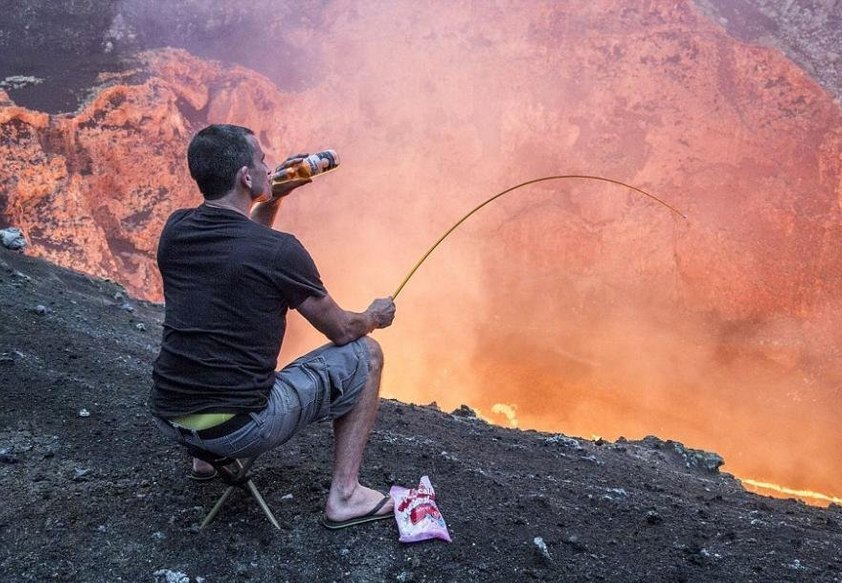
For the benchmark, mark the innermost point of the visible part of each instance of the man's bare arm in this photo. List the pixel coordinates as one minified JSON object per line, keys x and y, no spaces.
{"x":265,"y":212}
{"x":341,"y":326}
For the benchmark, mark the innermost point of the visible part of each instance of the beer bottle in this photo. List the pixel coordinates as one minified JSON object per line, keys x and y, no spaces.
{"x":312,"y":165}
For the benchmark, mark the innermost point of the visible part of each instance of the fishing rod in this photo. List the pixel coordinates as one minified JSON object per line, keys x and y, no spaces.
{"x":528,"y":182}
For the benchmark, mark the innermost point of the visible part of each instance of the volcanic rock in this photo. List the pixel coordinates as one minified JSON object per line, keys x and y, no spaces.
{"x":692,"y":459}
{"x":12,"y":238}
{"x":114,"y":500}
{"x":6,"y":457}
{"x":797,"y":27}
{"x":93,"y":189}
{"x":588,"y":306}
{"x":465,"y":412}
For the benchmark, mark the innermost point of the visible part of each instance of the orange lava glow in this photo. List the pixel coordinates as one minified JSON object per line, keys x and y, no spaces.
{"x":586,"y":308}
{"x":775,"y":490}
{"x":568,"y":307}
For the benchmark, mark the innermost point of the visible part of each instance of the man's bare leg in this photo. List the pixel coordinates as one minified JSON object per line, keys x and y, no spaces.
{"x":347,"y":497}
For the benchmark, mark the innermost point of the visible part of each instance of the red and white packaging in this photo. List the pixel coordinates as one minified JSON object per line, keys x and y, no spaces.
{"x":417,"y":514}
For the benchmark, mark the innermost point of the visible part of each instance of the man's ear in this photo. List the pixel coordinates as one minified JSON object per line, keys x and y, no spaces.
{"x":244,"y":177}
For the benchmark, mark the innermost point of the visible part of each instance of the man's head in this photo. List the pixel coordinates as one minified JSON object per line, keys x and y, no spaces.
{"x":220,"y":156}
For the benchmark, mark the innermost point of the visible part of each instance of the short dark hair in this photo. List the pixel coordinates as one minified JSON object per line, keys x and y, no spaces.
{"x":215,"y":155}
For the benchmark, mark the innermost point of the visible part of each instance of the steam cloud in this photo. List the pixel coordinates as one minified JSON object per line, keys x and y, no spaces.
{"x":587,"y":308}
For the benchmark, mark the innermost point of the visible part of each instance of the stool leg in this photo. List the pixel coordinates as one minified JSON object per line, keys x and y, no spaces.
{"x":240,"y":474}
{"x":253,"y":489}
{"x":216,"y":507}
{"x":244,"y":466}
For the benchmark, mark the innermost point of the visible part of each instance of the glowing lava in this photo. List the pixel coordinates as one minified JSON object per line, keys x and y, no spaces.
{"x":508,"y":411}
{"x":583,"y":309}
{"x":782,"y":491}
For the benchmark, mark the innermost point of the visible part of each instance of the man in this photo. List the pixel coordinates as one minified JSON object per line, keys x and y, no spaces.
{"x":229,"y":280}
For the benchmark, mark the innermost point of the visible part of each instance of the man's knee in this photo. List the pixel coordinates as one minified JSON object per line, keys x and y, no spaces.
{"x":375,"y":353}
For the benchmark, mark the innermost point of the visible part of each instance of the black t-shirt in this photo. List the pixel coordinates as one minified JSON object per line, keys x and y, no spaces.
{"x":228,"y":283}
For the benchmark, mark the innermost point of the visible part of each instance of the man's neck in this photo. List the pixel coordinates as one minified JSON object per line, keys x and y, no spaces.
{"x":230,"y":203}
{"x":240,"y":202}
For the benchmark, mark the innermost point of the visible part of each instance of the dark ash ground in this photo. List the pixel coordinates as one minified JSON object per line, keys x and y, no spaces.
{"x":105,"y":498}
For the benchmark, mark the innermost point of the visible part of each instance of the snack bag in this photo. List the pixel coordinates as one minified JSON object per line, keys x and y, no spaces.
{"x":416,"y":513}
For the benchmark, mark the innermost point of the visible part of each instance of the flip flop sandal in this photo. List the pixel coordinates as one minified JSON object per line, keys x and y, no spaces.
{"x":369,"y":516}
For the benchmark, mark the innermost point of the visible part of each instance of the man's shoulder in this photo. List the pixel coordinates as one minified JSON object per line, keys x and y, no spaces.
{"x":180,"y":213}
{"x":284,"y":237}
{"x":177,"y":215}
{"x":285,"y":247}
{"x":258,"y":230}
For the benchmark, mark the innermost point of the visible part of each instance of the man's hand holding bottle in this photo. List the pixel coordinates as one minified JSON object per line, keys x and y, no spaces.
{"x":299,"y":169}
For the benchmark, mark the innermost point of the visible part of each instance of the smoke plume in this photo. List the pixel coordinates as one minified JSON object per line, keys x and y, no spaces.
{"x":567,"y":306}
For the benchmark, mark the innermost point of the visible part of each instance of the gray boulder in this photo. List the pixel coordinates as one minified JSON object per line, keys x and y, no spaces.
{"x":12,"y":238}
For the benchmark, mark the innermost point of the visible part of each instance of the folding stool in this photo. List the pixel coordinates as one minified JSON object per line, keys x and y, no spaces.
{"x":236,"y":474}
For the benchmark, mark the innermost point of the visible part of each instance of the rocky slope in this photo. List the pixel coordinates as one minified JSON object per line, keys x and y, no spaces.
{"x":91,"y":491}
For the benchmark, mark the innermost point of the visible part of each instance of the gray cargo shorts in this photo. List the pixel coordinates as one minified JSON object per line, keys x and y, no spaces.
{"x":320,"y":386}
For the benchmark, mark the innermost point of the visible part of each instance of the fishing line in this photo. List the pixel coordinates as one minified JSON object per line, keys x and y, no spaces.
{"x":528,"y":182}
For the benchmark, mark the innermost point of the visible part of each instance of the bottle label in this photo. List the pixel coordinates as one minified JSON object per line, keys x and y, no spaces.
{"x":322,"y":162}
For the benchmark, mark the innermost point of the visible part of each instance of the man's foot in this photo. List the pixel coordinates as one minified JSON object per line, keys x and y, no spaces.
{"x":375,"y":513}
{"x":362,"y":505}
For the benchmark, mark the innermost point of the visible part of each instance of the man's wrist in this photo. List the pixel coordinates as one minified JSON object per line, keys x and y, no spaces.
{"x":372,"y":323}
